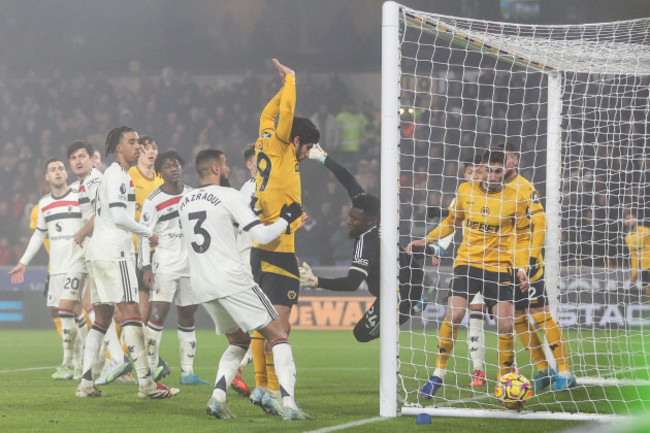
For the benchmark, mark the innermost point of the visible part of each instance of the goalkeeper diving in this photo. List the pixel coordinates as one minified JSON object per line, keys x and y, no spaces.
{"x":363,"y":226}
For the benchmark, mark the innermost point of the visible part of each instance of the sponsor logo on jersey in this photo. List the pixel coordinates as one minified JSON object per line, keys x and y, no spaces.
{"x":485,"y":211}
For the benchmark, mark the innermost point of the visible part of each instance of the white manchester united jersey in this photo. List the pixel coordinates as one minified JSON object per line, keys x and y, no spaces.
{"x":61,"y":218}
{"x":88,"y":193}
{"x":210,"y":217}
{"x":111,"y":242}
{"x":244,"y":240}
{"x":160,"y":213}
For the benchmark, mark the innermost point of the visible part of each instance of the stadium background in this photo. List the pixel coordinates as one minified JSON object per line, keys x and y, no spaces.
{"x":196,"y":74}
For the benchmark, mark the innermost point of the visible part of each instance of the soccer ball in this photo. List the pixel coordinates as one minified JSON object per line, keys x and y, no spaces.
{"x":513,"y":390}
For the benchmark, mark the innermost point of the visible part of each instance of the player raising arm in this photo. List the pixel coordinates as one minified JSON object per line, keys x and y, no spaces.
{"x":492,"y":214}
{"x":210,"y":217}
{"x":363,"y":225}
{"x":279,"y":151}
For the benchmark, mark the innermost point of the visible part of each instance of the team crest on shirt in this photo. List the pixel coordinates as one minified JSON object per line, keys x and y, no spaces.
{"x":534,"y":197}
{"x":291,"y":294}
{"x":69,"y":208}
{"x":485,"y":211}
{"x":123,"y":189}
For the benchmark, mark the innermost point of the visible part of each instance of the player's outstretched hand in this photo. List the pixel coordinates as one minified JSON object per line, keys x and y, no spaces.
{"x":416,"y":246}
{"x":18,"y":273}
{"x":307,"y":277}
{"x":283,"y":70}
{"x":317,"y":153}
{"x":523,"y":279}
{"x":153,"y":240}
{"x":291,"y":212}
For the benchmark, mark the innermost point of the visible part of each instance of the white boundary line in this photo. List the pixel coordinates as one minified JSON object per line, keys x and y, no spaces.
{"x":27,"y":369}
{"x":348,"y":425}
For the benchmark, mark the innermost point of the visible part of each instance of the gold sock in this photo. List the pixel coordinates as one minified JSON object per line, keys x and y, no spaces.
{"x":57,"y":323}
{"x":530,"y":339}
{"x":274,"y":385}
{"x":505,"y":354}
{"x":259,"y":359}
{"x":89,"y":323}
{"x":446,"y":337}
{"x":555,"y":339}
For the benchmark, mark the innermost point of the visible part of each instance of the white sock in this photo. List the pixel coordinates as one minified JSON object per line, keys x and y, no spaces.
{"x":248,"y":358}
{"x":153,"y":335}
{"x":114,"y":345}
{"x":476,"y":340}
{"x":228,"y":365}
{"x":285,"y":369}
{"x":565,"y":374}
{"x":187,"y":346}
{"x":82,"y":332}
{"x":440,"y":373}
{"x":134,"y":338}
{"x":68,"y":335}
{"x":91,"y":352}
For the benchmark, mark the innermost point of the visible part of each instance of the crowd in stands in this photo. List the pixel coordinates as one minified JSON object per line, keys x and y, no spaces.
{"x":452,"y":121}
{"x":40,"y":116}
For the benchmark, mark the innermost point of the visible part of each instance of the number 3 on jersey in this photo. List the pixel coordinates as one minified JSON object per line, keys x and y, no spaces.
{"x":198,"y":230}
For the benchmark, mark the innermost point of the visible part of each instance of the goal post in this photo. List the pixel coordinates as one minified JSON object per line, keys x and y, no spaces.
{"x":574,"y":99}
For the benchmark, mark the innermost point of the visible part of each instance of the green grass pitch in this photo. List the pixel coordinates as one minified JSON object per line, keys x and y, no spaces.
{"x":337,"y":384}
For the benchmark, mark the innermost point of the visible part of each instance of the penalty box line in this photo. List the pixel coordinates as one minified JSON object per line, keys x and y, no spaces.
{"x":19,"y":370}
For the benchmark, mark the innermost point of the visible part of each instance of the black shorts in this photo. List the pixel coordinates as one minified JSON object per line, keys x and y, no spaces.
{"x":495,"y":287}
{"x":277,"y":274}
{"x":139,"y":273}
{"x":534,"y":297}
{"x":645,"y":277}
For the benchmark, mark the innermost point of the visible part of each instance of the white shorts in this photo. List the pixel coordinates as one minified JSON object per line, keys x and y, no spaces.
{"x":168,"y":288}
{"x":247,"y":310}
{"x":477,"y":299}
{"x":68,"y":286}
{"x":115,"y":281}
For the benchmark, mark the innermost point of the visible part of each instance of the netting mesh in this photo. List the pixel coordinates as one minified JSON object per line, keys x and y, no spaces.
{"x":466,"y":85}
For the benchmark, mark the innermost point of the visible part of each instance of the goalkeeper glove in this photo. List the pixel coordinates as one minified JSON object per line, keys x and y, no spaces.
{"x":437,"y":250}
{"x":307,"y":277}
{"x":291,"y":212}
{"x":318,"y":153}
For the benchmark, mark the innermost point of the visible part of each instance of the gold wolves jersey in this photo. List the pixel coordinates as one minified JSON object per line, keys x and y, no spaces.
{"x":491,"y":221}
{"x":143,"y":187}
{"x":638,"y":242}
{"x":278,"y":177}
{"x":531,"y":241}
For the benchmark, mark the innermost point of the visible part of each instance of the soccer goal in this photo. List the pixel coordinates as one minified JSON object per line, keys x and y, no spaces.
{"x":575,"y":101}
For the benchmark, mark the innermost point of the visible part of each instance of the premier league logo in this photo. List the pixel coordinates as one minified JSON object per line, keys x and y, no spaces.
{"x":123,"y":189}
{"x":145,"y":216}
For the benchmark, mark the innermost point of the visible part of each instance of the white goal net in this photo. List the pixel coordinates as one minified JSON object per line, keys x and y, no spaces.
{"x":575,"y":103}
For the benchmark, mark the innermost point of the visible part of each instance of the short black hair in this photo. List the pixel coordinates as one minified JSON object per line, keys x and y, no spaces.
{"x":367,"y":203}
{"x":114,"y":137}
{"x":51,"y":160}
{"x":494,"y":157}
{"x":473,"y":162}
{"x":80,"y":144}
{"x":305,"y":129}
{"x":507,"y":147}
{"x":249,"y":152}
{"x":205,"y":159}
{"x":170,"y":155}
{"x":145,"y":138}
